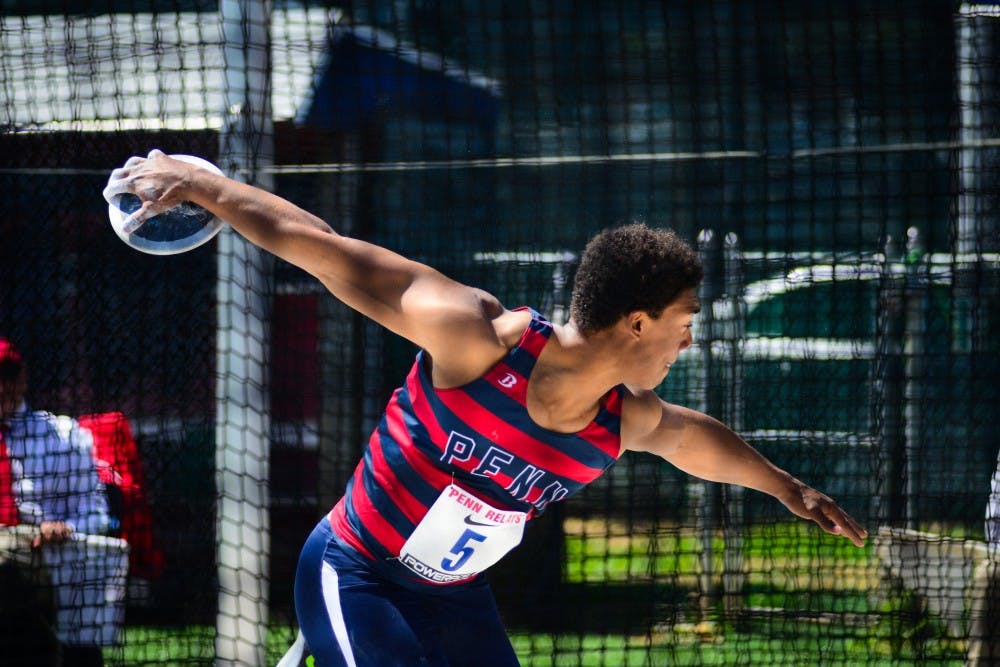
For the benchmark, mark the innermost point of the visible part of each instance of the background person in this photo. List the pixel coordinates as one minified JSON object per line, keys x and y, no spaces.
{"x":55,"y":487}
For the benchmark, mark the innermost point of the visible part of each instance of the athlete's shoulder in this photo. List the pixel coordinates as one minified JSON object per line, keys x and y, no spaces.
{"x":479,"y":345}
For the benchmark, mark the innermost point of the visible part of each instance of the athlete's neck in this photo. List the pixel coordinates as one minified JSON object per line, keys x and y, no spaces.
{"x":569,"y":381}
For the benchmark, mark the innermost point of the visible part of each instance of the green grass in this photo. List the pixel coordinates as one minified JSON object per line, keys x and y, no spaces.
{"x":599,"y":551}
{"x":795,"y":644}
{"x":812,"y":599}
{"x":182,"y":646}
{"x":688,"y":647}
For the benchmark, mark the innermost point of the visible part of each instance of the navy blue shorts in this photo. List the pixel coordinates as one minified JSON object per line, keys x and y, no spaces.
{"x":351,"y":615}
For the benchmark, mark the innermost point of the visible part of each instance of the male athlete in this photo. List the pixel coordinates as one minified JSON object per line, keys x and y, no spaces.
{"x":502,"y":413}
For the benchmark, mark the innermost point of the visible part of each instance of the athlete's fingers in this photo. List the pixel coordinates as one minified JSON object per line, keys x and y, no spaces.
{"x":843,"y":524}
{"x":138,"y":218}
{"x":118,"y":184}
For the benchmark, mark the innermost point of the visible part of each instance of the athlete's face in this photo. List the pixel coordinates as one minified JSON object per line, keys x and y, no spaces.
{"x":659,"y":341}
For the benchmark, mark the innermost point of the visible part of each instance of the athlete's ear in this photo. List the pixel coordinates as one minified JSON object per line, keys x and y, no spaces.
{"x":636,"y":322}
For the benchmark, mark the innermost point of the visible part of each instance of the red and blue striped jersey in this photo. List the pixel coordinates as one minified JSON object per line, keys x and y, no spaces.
{"x":479,"y":437}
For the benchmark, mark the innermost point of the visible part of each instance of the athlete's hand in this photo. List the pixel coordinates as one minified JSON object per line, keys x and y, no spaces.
{"x":808,"y":503}
{"x":157,"y":180}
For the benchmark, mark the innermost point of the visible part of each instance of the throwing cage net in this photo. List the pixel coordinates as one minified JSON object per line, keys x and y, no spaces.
{"x":835,"y":163}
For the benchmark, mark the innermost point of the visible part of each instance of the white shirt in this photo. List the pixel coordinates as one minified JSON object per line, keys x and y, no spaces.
{"x":55,"y":478}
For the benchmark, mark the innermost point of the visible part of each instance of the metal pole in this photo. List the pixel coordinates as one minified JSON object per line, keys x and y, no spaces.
{"x":702,"y":495}
{"x":887,"y":389}
{"x":976,"y":34}
{"x":243,"y":423}
{"x":913,"y":369}
{"x":977,"y":30}
{"x":733,"y":576}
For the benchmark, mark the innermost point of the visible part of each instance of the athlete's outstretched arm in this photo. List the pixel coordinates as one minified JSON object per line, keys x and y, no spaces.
{"x":706,"y":448}
{"x":450,"y":320}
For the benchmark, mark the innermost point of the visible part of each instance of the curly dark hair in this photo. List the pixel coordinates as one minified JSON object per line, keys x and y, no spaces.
{"x":630,"y":268}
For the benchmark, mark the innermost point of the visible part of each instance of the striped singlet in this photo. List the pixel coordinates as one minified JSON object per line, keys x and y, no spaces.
{"x":478,"y":437}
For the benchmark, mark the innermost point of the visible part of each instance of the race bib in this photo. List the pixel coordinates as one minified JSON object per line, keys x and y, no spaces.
{"x":460,"y":536}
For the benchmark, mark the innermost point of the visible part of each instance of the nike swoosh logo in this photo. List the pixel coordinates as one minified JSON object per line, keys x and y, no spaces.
{"x":472,"y":522}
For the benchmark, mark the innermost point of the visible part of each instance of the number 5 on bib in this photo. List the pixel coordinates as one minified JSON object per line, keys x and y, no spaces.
{"x":462,"y":550}
{"x":460,"y":536}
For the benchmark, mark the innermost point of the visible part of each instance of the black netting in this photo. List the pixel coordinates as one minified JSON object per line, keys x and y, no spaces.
{"x":835,"y":163}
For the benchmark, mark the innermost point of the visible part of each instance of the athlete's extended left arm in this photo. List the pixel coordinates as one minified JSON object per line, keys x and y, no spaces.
{"x":706,"y":448}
